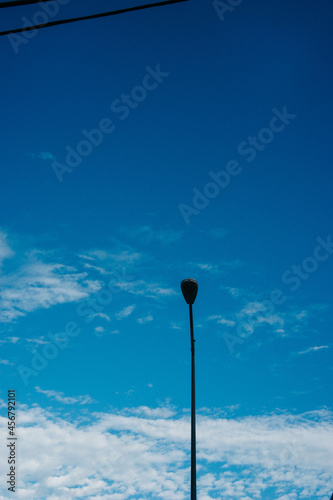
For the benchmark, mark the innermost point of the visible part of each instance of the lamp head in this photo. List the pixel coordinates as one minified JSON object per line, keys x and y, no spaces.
{"x":190,"y":289}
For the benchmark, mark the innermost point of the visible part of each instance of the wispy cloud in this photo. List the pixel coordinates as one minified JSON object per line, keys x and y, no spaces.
{"x":142,"y":287}
{"x":41,"y":285}
{"x":175,"y":326}
{"x":220,"y":319}
{"x":212,"y":268}
{"x":232,"y":408}
{"x":100,"y":331}
{"x":112,"y":262}
{"x":146,"y":319}
{"x":301,"y":315}
{"x":122,"y":256}
{"x":257,"y":313}
{"x":125,"y":312}
{"x":10,"y":340}
{"x":252,"y":308}
{"x":219,"y":267}
{"x":313,"y":349}
{"x":103,"y":316}
{"x":234,"y":292}
{"x":6,"y":362}
{"x":59,"y":396}
{"x":5,"y":250}
{"x":252,"y":315}
{"x":145,"y":411}
{"x":99,"y":269}
{"x":38,"y":341}
{"x":44,"y":155}
{"x":147,"y":234}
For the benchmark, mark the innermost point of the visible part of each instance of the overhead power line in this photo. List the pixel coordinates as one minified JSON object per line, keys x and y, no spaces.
{"x":84,"y":18}
{"x":18,"y":3}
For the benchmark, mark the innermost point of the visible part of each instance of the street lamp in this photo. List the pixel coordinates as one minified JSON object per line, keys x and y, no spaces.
{"x":190,"y":289}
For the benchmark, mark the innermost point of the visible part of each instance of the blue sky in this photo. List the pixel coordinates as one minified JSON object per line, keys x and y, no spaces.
{"x":191,"y":140}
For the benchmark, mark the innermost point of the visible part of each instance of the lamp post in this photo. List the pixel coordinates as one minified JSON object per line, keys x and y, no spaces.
{"x":190,"y":289}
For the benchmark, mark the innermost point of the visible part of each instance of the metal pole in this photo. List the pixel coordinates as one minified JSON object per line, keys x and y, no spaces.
{"x":193,"y":436}
{"x":189,"y":288}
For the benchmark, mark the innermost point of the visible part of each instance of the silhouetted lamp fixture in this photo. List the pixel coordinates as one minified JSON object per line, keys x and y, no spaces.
{"x":190,"y":289}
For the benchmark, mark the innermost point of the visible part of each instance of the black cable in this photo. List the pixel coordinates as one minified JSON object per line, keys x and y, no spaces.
{"x":18,"y":3}
{"x":93,"y":16}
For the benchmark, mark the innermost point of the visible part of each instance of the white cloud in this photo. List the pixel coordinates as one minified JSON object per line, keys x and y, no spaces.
{"x":10,"y":340}
{"x":146,"y":319}
{"x":253,"y":308}
{"x":257,"y":316}
{"x":226,"y":322}
{"x":99,"y":269}
{"x":175,"y":326}
{"x":144,"y":453}
{"x":271,"y":319}
{"x":313,"y":349}
{"x":5,"y":250}
{"x":145,"y":411}
{"x":220,"y":319}
{"x":6,"y":362}
{"x":146,"y":234}
{"x":258,"y":313}
{"x":39,"y":341}
{"x":235,"y":292}
{"x":125,"y":312}
{"x":301,"y":315}
{"x":59,"y":396}
{"x":99,"y":330}
{"x":208,"y":267}
{"x":220,"y":267}
{"x":232,"y":408}
{"x":41,"y":285}
{"x":14,"y":340}
{"x":44,"y":155}
{"x":123,"y":256}
{"x":152,"y":290}
{"x":86,"y":257}
{"x":102,"y":315}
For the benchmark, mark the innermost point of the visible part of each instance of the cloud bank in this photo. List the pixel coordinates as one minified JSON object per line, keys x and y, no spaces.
{"x":143,"y":453}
